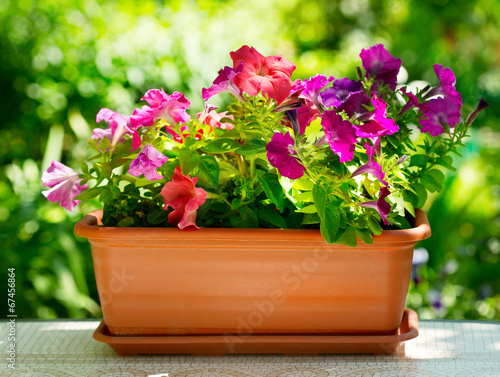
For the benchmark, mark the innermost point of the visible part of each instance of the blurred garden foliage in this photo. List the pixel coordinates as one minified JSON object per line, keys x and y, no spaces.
{"x":61,"y":61}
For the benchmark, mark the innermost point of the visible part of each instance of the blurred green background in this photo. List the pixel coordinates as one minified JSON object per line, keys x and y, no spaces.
{"x":61,"y":61}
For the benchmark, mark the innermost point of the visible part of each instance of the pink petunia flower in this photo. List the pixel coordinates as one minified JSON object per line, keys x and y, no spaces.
{"x":269,"y":75}
{"x":381,"y":205}
{"x":371,"y":166}
{"x":119,"y":125}
{"x":440,"y":113}
{"x":280,"y":154}
{"x":340,"y":134}
{"x":64,"y":183}
{"x":148,"y":160}
{"x":212,"y":118}
{"x":171,"y":108}
{"x":224,"y":83}
{"x":182,"y":195}
{"x":381,"y":65}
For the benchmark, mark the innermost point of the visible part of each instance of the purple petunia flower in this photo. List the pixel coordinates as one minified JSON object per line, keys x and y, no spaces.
{"x":381,"y":205}
{"x":311,"y":89}
{"x":64,"y":183}
{"x":146,"y":163}
{"x":381,"y":65}
{"x":446,"y":87}
{"x":371,"y":166}
{"x":340,"y":92}
{"x":119,"y":125}
{"x":379,"y":124}
{"x":480,"y":107}
{"x":355,"y":104}
{"x":340,"y":134}
{"x":224,"y":83}
{"x":171,"y":108}
{"x":440,"y":112}
{"x":280,"y":155}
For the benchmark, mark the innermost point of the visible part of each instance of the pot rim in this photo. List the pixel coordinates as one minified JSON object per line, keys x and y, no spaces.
{"x":90,"y":226}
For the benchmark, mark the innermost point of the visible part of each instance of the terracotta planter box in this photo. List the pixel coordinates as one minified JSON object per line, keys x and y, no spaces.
{"x":248,"y":281}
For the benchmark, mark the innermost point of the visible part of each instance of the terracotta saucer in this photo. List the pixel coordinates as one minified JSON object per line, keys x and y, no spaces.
{"x":262,"y":344}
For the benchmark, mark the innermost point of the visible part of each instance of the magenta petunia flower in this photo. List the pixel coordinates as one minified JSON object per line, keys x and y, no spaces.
{"x":446,"y":86}
{"x":412,"y":102}
{"x":340,"y":92}
{"x":379,"y":124}
{"x":381,"y":205}
{"x":119,"y":125}
{"x":340,"y":134}
{"x":311,"y":89}
{"x":64,"y":183}
{"x":302,"y":117}
{"x":381,"y":65}
{"x":371,"y":166}
{"x":171,"y":108}
{"x":439,"y":113}
{"x":224,"y":83}
{"x":182,"y":195}
{"x":148,"y":160}
{"x":269,"y":75}
{"x":280,"y":154}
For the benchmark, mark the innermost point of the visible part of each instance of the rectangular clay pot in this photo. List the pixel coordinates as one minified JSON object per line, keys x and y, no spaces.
{"x":248,"y":281}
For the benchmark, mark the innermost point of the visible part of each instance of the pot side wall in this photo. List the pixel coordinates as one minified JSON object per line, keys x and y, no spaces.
{"x":248,"y":281}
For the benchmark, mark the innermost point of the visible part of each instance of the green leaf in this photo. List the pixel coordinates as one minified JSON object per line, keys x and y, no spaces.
{"x":84,"y":168}
{"x":210,"y":167}
{"x":349,"y":237}
{"x":227,"y":172}
{"x":268,"y":214}
{"x":251,"y":147}
{"x":408,"y":203}
{"x":310,"y":218}
{"x":142,"y":182}
{"x":308,"y":209}
{"x":249,"y":218}
{"x":189,"y":160}
{"x":319,"y":195}
{"x":105,"y":196}
{"x":438,"y":176}
{"x":127,"y":221}
{"x":231,"y":134}
{"x":330,"y":224}
{"x":433,"y":180}
{"x":447,"y":162}
{"x":89,"y":193}
{"x":304,"y":184}
{"x":422,"y":195}
{"x":401,"y":222}
{"x":157,"y":216}
{"x":365,"y":235}
{"x":374,"y":226}
{"x":221,"y":145}
{"x":417,"y":160}
{"x":272,"y":187}
{"x":236,"y":203}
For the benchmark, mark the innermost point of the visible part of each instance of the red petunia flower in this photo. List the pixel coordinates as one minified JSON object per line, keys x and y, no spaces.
{"x":182,"y":195}
{"x":269,"y":75}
